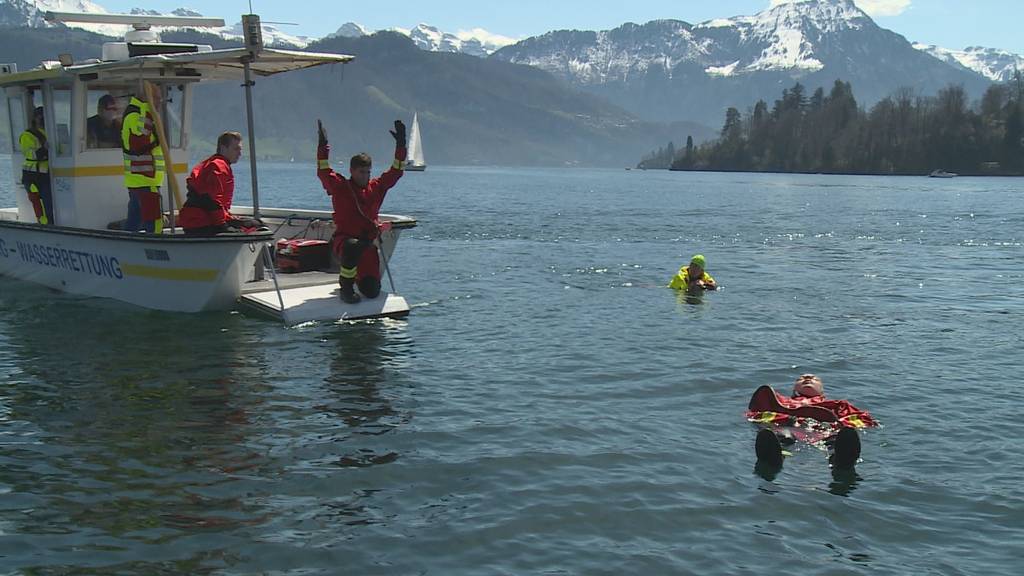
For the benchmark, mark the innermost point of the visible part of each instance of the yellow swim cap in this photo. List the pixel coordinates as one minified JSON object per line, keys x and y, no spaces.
{"x":698,"y":260}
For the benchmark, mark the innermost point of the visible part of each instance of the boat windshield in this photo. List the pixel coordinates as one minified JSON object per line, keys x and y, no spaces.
{"x":105,"y":105}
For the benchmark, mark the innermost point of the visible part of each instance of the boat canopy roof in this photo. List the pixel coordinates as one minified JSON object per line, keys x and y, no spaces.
{"x":224,"y":64}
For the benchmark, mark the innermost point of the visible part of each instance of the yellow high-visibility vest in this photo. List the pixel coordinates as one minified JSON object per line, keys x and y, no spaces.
{"x":141,"y":169}
{"x":30,"y":145}
{"x":681,"y":280}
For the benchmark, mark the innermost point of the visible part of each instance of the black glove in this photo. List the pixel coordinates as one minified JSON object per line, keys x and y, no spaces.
{"x":321,"y":134}
{"x":42,"y":154}
{"x":398,"y":134}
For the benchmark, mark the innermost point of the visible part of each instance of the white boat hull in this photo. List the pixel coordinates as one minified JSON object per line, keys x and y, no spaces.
{"x":169,"y":272}
{"x":173,"y":273}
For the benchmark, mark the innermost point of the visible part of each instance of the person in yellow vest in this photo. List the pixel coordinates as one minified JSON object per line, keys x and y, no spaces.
{"x":35,"y":170}
{"x":693,"y":277}
{"x":143,"y":166}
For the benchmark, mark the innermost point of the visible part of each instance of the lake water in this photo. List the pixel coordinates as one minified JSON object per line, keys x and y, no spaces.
{"x":548,"y":407}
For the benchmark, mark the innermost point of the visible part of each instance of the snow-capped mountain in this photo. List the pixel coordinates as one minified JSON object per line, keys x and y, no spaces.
{"x":670,"y":69}
{"x":791,"y":37}
{"x":477,"y":42}
{"x":431,"y":39}
{"x":788,"y":37}
{"x":350,"y":30}
{"x":30,"y":13}
{"x":996,"y":65}
{"x":272,"y":35}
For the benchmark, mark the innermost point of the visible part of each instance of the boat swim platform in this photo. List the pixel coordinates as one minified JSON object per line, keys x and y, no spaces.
{"x":309,"y":296}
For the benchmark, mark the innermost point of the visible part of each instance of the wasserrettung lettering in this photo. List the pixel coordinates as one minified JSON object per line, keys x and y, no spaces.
{"x":75,"y":260}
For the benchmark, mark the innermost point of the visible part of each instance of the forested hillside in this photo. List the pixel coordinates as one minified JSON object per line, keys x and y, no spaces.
{"x":902,"y":134}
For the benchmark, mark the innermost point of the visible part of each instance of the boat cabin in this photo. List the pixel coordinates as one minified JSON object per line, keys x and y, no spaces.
{"x":83,"y":103}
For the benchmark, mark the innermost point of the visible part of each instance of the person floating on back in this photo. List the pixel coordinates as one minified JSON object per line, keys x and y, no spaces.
{"x":809,"y":417}
{"x":693,"y":276}
{"x":356,"y":203}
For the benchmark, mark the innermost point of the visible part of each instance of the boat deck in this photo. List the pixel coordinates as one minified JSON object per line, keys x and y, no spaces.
{"x":313,"y":296}
{"x":294,"y":280}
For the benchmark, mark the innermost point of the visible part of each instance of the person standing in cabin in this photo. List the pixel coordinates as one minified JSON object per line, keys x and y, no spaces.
{"x":356,"y":202}
{"x":104,"y":129}
{"x":35,"y":169}
{"x":143,"y":166}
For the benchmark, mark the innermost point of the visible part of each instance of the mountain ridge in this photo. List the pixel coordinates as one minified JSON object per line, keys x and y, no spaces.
{"x":472,"y":110}
{"x":671,"y":69}
{"x":17,"y":13}
{"x":991,"y":63}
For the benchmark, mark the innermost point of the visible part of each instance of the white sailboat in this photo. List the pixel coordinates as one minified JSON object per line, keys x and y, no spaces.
{"x":415,"y":162}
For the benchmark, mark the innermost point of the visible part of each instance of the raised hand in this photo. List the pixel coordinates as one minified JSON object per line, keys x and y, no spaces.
{"x":398,"y":134}
{"x":321,"y":134}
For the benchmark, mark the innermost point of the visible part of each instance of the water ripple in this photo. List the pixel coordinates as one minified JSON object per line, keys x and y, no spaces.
{"x":549,"y":407}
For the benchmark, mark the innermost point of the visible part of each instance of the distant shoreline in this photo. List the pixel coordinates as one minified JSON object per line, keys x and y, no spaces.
{"x":907,"y":174}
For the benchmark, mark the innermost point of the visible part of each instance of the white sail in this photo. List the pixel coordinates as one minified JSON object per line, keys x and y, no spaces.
{"x":415,"y":160}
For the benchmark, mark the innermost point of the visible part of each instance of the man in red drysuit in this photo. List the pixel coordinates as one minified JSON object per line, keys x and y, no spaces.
{"x":356,"y":203}
{"x":211,"y":188}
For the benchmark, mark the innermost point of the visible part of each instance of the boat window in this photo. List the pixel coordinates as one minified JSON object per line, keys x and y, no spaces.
{"x":62,"y":119}
{"x":103,"y":111}
{"x":6,"y":142}
{"x":16,"y":114}
{"x":174,"y":102}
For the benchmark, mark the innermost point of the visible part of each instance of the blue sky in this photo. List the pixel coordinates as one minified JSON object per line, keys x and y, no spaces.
{"x":949,"y":23}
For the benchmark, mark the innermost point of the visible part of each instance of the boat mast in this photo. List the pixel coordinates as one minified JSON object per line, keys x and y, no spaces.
{"x":253,"y":35}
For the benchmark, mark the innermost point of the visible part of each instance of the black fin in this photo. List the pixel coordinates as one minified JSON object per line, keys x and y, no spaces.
{"x":768,"y":448}
{"x":846,"y":449}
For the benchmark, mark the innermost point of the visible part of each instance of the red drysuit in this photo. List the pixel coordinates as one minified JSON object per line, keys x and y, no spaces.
{"x":211,"y":188}
{"x":356,"y":211}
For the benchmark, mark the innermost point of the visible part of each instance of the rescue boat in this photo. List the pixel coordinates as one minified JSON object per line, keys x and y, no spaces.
{"x":83,"y":252}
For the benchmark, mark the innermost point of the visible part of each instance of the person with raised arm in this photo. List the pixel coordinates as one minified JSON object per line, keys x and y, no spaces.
{"x":356,"y":201}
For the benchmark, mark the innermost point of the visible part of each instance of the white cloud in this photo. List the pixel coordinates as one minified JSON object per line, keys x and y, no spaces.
{"x":872,"y":7}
